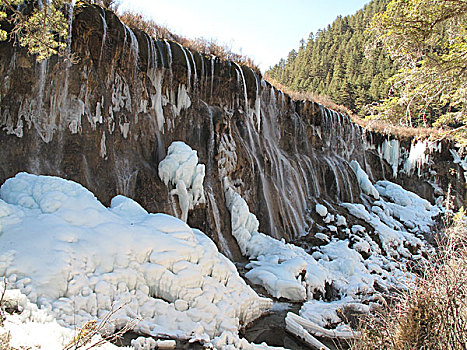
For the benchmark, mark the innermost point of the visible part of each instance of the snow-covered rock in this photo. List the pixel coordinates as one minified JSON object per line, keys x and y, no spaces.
{"x":321,"y":210}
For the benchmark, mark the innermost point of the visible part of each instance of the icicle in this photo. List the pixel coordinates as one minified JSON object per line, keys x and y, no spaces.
{"x":103,"y":150}
{"x":243,"y":83}
{"x":188,"y":66}
{"x":257,"y":101}
{"x":390,"y":152}
{"x":70,"y":27}
{"x":418,"y":157}
{"x":195,"y":73}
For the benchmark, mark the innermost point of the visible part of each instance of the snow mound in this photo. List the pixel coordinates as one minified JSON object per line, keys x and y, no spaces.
{"x":78,"y":260}
{"x":415,"y":212}
{"x":180,"y":168}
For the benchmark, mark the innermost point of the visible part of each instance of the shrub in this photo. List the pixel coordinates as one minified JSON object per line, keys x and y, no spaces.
{"x":431,"y":313}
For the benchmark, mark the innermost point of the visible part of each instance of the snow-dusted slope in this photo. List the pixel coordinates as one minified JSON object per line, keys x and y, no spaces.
{"x":78,"y":260}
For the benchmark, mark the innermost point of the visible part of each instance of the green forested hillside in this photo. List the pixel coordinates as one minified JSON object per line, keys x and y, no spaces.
{"x":340,"y":62}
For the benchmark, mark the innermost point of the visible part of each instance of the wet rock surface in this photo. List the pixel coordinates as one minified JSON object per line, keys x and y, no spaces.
{"x":107,"y":121}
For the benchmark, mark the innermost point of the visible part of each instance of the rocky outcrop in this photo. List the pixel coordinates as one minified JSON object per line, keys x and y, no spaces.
{"x":107,"y":121}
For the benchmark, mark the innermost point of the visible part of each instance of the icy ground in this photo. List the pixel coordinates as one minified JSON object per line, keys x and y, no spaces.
{"x":67,"y":260}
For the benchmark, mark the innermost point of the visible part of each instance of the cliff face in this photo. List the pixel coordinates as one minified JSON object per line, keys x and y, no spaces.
{"x":107,"y":121}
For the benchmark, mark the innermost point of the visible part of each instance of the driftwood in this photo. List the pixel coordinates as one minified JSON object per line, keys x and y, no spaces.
{"x":308,"y":330}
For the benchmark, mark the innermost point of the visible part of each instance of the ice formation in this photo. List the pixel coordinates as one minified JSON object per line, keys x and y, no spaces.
{"x":180,"y":169}
{"x":458,"y":160}
{"x":143,"y":343}
{"x":77,"y":260}
{"x":173,"y":278}
{"x":363,"y":180}
{"x":390,"y":152}
{"x":356,"y":267}
{"x":280,"y":267}
{"x":419,"y":155}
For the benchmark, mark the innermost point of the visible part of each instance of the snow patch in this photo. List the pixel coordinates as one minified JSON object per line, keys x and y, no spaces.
{"x":321,"y":210}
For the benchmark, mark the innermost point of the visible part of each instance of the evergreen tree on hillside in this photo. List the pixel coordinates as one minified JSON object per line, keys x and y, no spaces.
{"x":428,"y":39}
{"x":333,"y":62}
{"x":43,"y":30}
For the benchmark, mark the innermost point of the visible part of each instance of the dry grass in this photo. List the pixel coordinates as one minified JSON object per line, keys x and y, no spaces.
{"x":375,"y":125}
{"x":398,"y":130}
{"x":309,"y":96}
{"x":431,"y":313}
{"x":85,"y":337}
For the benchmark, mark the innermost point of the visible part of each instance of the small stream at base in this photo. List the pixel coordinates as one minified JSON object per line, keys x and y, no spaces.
{"x":270,"y":329}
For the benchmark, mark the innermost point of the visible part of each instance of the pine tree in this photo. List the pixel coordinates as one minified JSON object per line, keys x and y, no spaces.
{"x":333,"y":62}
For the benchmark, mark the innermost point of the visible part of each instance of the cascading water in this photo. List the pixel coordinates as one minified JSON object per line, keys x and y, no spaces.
{"x":104,"y":33}
{"x":213,"y":61}
{"x":188,"y":66}
{"x":107,"y":123}
{"x":160,"y":48}
{"x":195,"y":73}
{"x":284,"y":156}
{"x":242,"y":83}
{"x":223,"y":245}
{"x":169,"y":59}
{"x":258,"y":100}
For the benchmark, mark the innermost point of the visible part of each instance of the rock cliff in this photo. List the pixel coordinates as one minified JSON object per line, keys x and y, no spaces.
{"x":107,"y":122}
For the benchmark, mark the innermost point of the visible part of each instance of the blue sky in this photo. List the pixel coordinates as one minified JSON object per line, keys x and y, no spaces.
{"x":265,"y":30}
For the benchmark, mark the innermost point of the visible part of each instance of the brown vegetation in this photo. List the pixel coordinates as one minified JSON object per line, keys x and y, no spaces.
{"x":431,"y":313}
{"x":369,"y":124}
